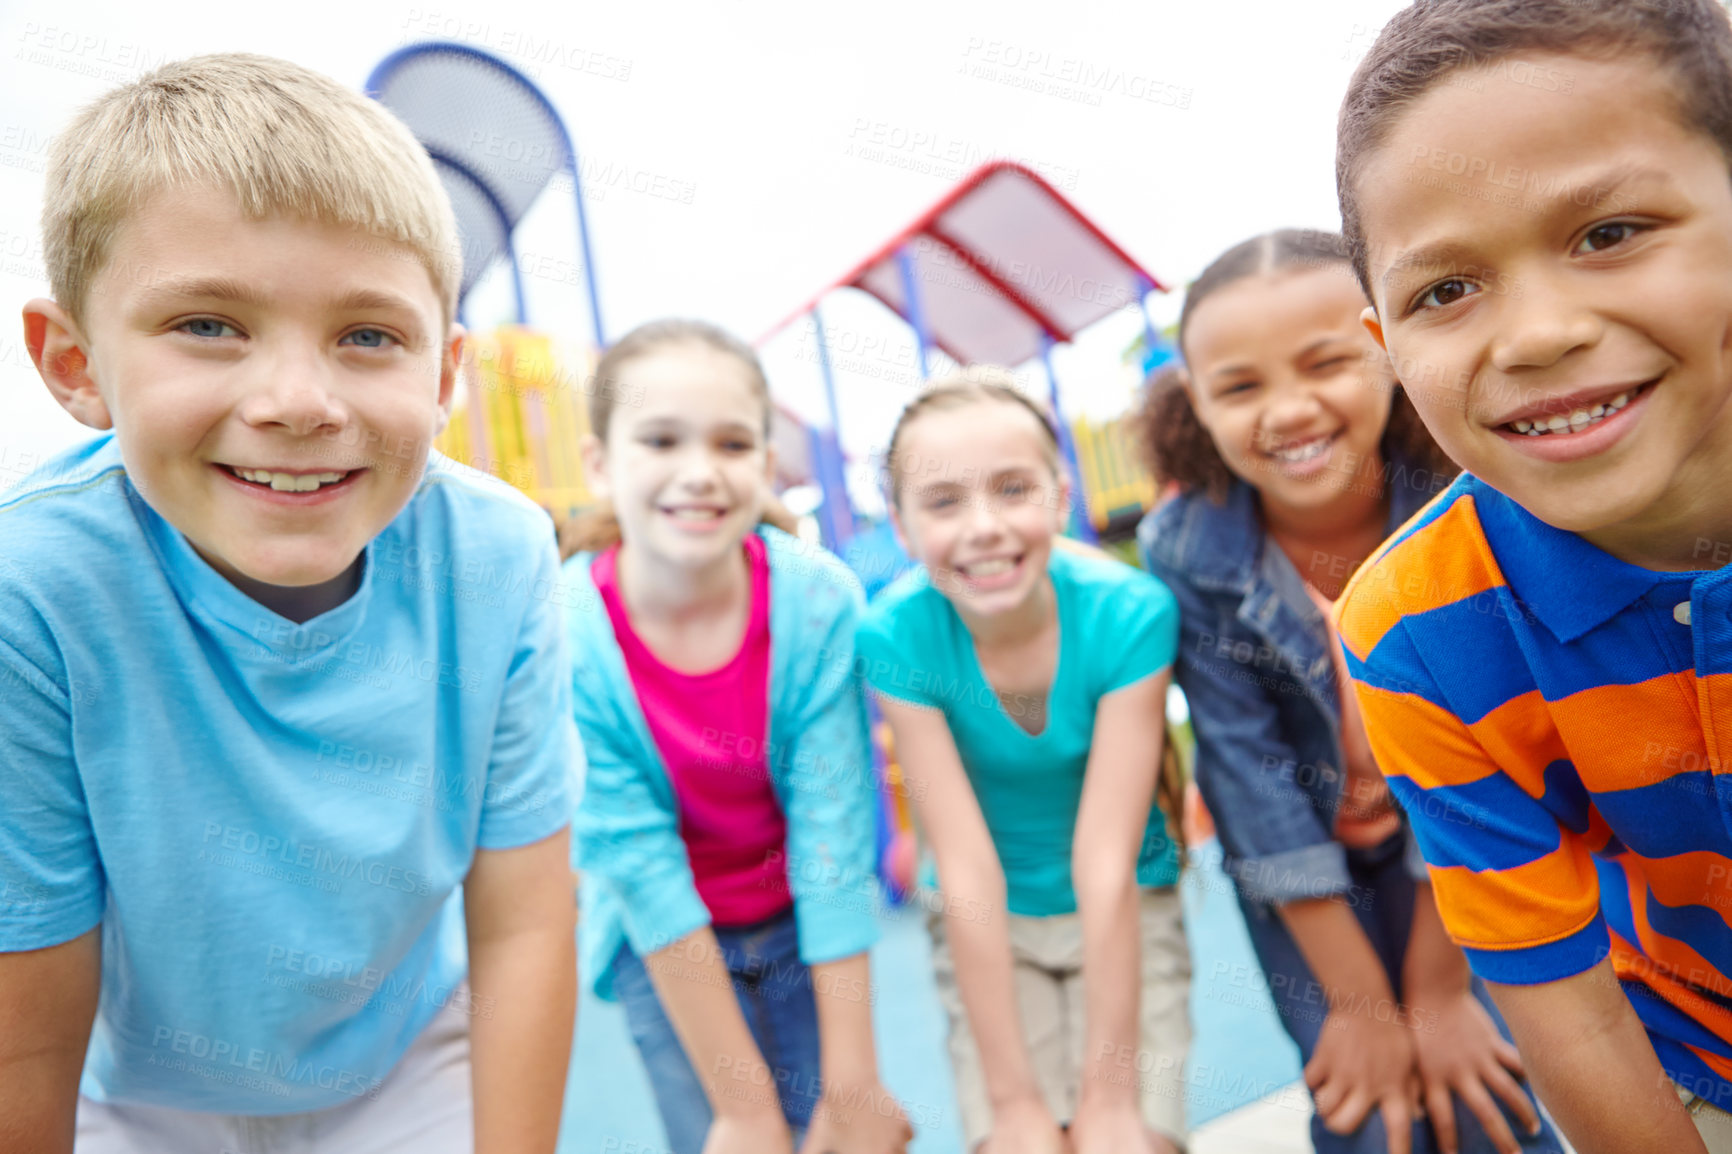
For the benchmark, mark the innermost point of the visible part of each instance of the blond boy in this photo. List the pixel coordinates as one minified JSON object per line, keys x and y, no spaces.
{"x":278,"y":679}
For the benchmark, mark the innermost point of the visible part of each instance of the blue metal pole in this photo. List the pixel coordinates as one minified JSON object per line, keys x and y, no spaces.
{"x":583,"y":241}
{"x":838,"y":519}
{"x":516,"y":278}
{"x":1144,"y":288}
{"x":911,"y":301}
{"x":1081,"y":526}
{"x":1156,"y":351}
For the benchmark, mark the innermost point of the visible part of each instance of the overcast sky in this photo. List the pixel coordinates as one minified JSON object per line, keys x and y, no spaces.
{"x":738,"y":155}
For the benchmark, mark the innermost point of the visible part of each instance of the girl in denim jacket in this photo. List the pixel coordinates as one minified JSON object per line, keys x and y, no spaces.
{"x":1294,"y":455}
{"x":726,"y":834}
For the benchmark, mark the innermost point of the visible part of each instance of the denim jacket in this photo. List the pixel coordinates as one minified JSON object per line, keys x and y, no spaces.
{"x":1256,"y":672}
{"x":637,"y":876}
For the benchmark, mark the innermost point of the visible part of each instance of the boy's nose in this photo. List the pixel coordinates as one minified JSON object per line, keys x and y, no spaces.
{"x":1541,"y":330}
{"x":295,"y":397}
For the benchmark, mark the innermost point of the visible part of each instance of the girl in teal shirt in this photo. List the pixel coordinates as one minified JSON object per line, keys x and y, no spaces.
{"x":1025,"y":686}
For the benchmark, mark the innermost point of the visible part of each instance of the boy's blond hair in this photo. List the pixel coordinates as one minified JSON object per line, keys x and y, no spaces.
{"x":283,"y":139}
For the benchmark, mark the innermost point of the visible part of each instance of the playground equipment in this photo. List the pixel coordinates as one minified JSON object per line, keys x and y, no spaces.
{"x":498,"y":144}
{"x":999,"y":271}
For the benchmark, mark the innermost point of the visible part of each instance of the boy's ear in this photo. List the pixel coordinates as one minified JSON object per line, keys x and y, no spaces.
{"x":594,"y":455}
{"x":450,"y":369}
{"x":58,"y":350}
{"x":1368,"y":318}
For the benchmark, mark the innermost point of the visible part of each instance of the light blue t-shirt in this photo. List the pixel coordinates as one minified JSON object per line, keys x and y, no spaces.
{"x":1117,"y":625}
{"x":269,"y":820}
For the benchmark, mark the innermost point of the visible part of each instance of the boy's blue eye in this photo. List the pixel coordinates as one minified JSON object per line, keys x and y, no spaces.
{"x":1445,"y":293}
{"x":368,"y":338}
{"x":207,"y":327}
{"x":1604,"y":236}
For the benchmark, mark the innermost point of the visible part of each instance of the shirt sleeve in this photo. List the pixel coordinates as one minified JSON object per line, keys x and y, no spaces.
{"x":889,"y":654}
{"x":1143,"y":620}
{"x":1280,"y":845}
{"x":627,"y":838}
{"x":536,"y":771}
{"x":1517,"y":889}
{"x":831,"y":797}
{"x":51,"y":882}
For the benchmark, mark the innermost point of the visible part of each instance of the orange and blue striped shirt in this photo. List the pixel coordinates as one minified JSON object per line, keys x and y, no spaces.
{"x":1551,"y":719}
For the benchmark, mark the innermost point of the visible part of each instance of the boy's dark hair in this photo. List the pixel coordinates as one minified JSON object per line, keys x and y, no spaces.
{"x":1176,"y":447}
{"x":1690,"y":39}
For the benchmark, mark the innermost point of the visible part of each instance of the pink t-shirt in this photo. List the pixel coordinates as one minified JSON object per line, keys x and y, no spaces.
{"x":710,"y":729}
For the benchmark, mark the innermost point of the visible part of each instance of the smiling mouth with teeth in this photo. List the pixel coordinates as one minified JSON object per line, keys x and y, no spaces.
{"x":1293,"y":454}
{"x":1574,"y":422}
{"x":287,"y":482}
{"x":988,"y":568}
{"x":688,"y":514}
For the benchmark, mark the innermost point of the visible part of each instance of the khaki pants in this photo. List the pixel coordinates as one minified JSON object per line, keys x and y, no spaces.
{"x":423,"y":1107}
{"x":1713,"y":1123}
{"x":1048,"y":958}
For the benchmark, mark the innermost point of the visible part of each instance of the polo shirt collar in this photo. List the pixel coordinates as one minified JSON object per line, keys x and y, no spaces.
{"x":1572,"y":586}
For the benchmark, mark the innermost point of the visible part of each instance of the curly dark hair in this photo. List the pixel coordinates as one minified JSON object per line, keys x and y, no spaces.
{"x":1177,"y":449}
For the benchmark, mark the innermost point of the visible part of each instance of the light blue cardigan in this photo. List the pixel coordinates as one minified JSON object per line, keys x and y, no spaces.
{"x":637,"y":877}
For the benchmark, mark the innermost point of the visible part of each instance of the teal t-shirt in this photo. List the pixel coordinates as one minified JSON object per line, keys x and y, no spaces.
{"x":1117,"y":625}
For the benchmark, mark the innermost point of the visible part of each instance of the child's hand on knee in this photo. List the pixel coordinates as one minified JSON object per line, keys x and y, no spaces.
{"x":1461,"y":1054}
{"x":760,"y":1132}
{"x":1025,"y":1126}
{"x":1111,"y":1127}
{"x":862,"y":1119}
{"x":1364,"y":1062}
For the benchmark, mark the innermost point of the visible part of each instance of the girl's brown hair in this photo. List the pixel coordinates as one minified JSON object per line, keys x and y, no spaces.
{"x":1176,"y":447}
{"x":968,"y":386}
{"x":597,"y":527}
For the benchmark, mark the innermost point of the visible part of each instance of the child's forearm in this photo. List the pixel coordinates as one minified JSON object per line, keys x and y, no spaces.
{"x":1592,"y":1065}
{"x":1435,"y":967}
{"x":1340,"y":956}
{"x":522,"y":929}
{"x":697,"y":994}
{"x":1109,"y":909}
{"x":842,"y":991}
{"x":523,"y":1002}
{"x":986,"y":979}
{"x":47,"y":1002}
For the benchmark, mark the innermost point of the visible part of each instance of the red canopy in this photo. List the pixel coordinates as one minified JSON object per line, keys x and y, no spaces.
{"x":1002,"y":260}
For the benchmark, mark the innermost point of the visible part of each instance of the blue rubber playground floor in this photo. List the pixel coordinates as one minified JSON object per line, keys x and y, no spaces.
{"x":1239,"y":1053}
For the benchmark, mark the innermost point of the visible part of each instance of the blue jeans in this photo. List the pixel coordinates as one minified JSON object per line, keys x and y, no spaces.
{"x":1383,"y":902}
{"x":774,"y":989}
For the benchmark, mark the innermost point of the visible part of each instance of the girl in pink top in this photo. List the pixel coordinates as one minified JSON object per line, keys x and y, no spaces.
{"x":726,"y":832}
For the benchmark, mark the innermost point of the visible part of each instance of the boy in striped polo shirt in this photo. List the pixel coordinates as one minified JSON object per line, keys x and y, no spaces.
{"x":1537,"y":195}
